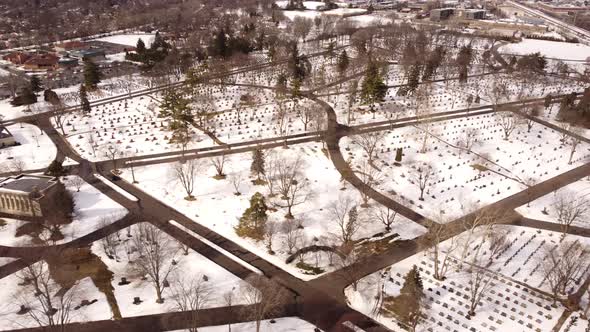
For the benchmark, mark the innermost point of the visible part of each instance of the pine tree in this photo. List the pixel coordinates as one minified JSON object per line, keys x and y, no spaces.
{"x":176,"y":108}
{"x":92,"y":75}
{"x":252,"y":224}
{"x":373,"y":89}
{"x":84,"y":99}
{"x":257,"y":166}
{"x":407,"y":304}
{"x":343,"y":62}
{"x":548,"y":101}
{"x":140,"y":48}
{"x":35,"y":84}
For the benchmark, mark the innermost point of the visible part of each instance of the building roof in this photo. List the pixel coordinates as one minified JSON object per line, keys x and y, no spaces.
{"x":4,"y":133}
{"x":43,"y":60}
{"x":27,"y":183}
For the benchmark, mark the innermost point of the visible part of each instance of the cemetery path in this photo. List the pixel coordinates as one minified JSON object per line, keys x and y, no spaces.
{"x":338,"y":280}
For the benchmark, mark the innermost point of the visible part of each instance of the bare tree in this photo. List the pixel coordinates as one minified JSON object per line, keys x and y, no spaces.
{"x":292,"y":185}
{"x":385,"y":215}
{"x":370,"y":177}
{"x":76,"y":182}
{"x":292,"y":235}
{"x":51,"y":305}
{"x":264,"y":298}
{"x":469,"y":139}
{"x":60,"y":117}
{"x":574,"y":141}
{"x":270,"y":230}
{"x":228,"y":301}
{"x":219,"y":163}
{"x":91,"y":140}
{"x":480,"y":284}
{"x":236,"y":181}
{"x":111,"y":241}
{"x":509,"y":122}
{"x":306,"y":115}
{"x":111,"y":151}
{"x":157,"y":256}
{"x":433,"y":242}
{"x":369,"y":142}
{"x":562,"y":266}
{"x":570,"y":208}
{"x":347,"y":222}
{"x":186,"y":174}
{"x":423,"y":176}
{"x":190,"y":296}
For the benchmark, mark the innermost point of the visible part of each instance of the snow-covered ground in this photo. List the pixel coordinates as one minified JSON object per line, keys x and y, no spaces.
{"x":92,"y":210}
{"x":129,"y":39}
{"x":516,"y":301}
{"x":314,"y":215}
{"x":462,"y":181}
{"x":550,"y":49}
{"x":285,"y":324}
{"x":544,"y":208}
{"x":36,"y":150}
{"x":188,"y":268}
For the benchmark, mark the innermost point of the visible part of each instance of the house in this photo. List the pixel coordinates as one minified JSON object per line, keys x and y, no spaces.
{"x":441,"y":14}
{"x":89,"y":54}
{"x":45,"y":61}
{"x":28,"y":195}
{"x":69,"y":46}
{"x":474,"y":14}
{"x":17,"y":58}
{"x":67,"y":62}
{"x":6,"y":138}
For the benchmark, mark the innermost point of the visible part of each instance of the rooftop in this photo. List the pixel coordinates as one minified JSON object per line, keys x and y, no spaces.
{"x":26,"y":183}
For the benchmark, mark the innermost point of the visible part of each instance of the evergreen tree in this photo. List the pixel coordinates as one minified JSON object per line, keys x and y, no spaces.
{"x":252,"y":224}
{"x":464,"y":59}
{"x":140,"y":47}
{"x":92,"y":75}
{"x":257,"y":166}
{"x":26,"y":97}
{"x":414,"y":78}
{"x":84,"y":99}
{"x":220,"y":44}
{"x":55,"y":169}
{"x":176,"y":108}
{"x":373,"y":89}
{"x":35,"y":84}
{"x":407,"y":304}
{"x":548,"y":101}
{"x":343,"y":62}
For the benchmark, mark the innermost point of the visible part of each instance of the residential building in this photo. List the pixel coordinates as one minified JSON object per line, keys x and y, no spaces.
{"x":45,"y":61}
{"x":17,"y":58}
{"x":441,"y":14}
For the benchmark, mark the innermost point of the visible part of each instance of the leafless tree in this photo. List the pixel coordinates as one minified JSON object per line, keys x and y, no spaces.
{"x":292,"y":235}
{"x":270,"y":230}
{"x":569,"y":209}
{"x":59,"y":116}
{"x":190,"y":296}
{"x":385,"y":215}
{"x":76,"y":182}
{"x":302,"y":27}
{"x":292,"y":185}
{"x":219,"y":163}
{"x":432,"y":241}
{"x":111,"y":151}
{"x":563,"y":266}
{"x":575,"y":140}
{"x":281,"y":117}
{"x":111,"y":241}
{"x":348,"y":224}
{"x":469,"y":139}
{"x":228,"y":301}
{"x":369,"y":142}
{"x":480,"y":284}
{"x":423,"y":176}
{"x":509,"y":122}
{"x":370,"y":177}
{"x":51,"y":305}
{"x":91,"y":140}
{"x":264,"y":298}
{"x":157,"y":256}
{"x":271,"y":170}
{"x":564,"y":132}
{"x":186,"y":174}
{"x":346,"y":267}
{"x":306,"y":114}
{"x":236,"y":181}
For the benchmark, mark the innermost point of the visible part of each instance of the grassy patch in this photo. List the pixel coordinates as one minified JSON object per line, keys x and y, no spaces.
{"x":308,"y":269}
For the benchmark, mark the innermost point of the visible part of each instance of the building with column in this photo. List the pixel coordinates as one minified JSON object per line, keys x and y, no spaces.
{"x":28,"y":195}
